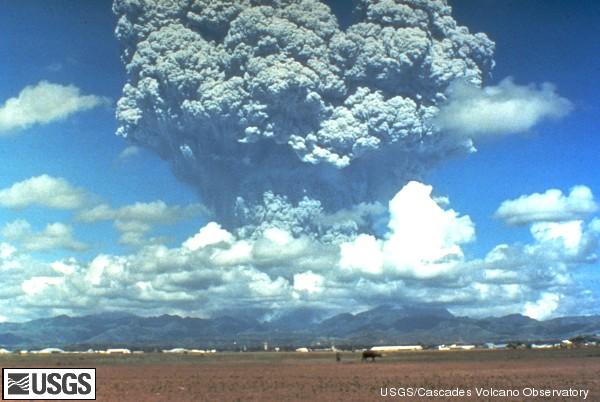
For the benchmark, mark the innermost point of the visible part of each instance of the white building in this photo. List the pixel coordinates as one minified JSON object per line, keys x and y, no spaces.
{"x":566,"y":344}
{"x":542,"y":346}
{"x":176,"y":350}
{"x":491,"y":345}
{"x":396,"y":348}
{"x":48,"y":351}
{"x":462,"y":347}
{"x":117,"y":351}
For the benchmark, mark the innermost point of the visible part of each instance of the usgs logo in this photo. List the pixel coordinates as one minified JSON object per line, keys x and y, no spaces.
{"x":48,"y":383}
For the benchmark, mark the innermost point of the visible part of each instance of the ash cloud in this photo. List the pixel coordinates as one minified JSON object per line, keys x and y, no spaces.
{"x":260,"y":103}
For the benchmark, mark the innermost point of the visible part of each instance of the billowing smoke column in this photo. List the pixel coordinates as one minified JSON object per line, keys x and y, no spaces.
{"x":268,"y":102}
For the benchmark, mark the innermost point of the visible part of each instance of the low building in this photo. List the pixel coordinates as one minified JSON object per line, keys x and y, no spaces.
{"x":566,"y":344}
{"x":4,"y":351}
{"x":302,"y":350}
{"x":492,"y":345}
{"x":118,"y":351}
{"x":48,"y":351}
{"x":403,"y":348}
{"x":176,"y":350}
{"x":542,"y":346}
{"x":462,"y":347}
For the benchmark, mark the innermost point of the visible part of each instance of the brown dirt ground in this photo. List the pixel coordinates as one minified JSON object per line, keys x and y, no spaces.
{"x":317,"y":377}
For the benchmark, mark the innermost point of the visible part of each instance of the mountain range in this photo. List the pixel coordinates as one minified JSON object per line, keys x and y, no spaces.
{"x":383,"y":325}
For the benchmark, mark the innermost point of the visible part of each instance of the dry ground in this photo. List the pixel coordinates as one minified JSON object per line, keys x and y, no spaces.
{"x":318,"y":377}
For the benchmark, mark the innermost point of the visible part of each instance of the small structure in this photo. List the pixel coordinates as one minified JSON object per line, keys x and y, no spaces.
{"x":118,"y":351}
{"x":462,"y":347}
{"x":542,"y":346}
{"x":4,"y":351}
{"x":567,"y":344}
{"x":48,"y":351}
{"x":492,"y":345}
{"x":396,"y":348}
{"x":176,"y":350}
{"x":302,"y":350}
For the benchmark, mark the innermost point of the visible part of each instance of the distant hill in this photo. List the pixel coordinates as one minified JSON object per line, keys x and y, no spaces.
{"x":303,"y":327}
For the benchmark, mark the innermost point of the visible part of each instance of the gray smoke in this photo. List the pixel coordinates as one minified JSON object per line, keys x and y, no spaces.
{"x":269,"y":100}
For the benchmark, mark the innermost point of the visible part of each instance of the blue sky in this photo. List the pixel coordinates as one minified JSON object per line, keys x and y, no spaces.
{"x":83,"y":147}
{"x":73,"y":43}
{"x":535,"y":43}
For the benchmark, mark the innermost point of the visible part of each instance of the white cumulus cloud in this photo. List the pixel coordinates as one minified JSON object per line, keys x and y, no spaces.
{"x":423,"y":239}
{"x":147,"y":212}
{"x":503,"y":109}
{"x":550,"y":206}
{"x":210,"y":234}
{"x":54,"y":235}
{"x":43,"y":103}
{"x":308,"y":282}
{"x":38,"y":284}
{"x":364,"y":253}
{"x":136,"y":220}
{"x":45,"y":191}
{"x":216,"y":269}
{"x":568,"y":233}
{"x":542,"y":308}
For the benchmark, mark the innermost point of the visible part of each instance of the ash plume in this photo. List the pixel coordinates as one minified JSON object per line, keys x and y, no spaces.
{"x":258,"y":100}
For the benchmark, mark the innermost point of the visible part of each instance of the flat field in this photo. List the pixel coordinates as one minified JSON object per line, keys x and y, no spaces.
{"x":318,"y":377}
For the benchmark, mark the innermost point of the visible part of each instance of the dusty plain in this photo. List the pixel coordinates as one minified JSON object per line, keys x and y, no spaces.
{"x":316,"y":376}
